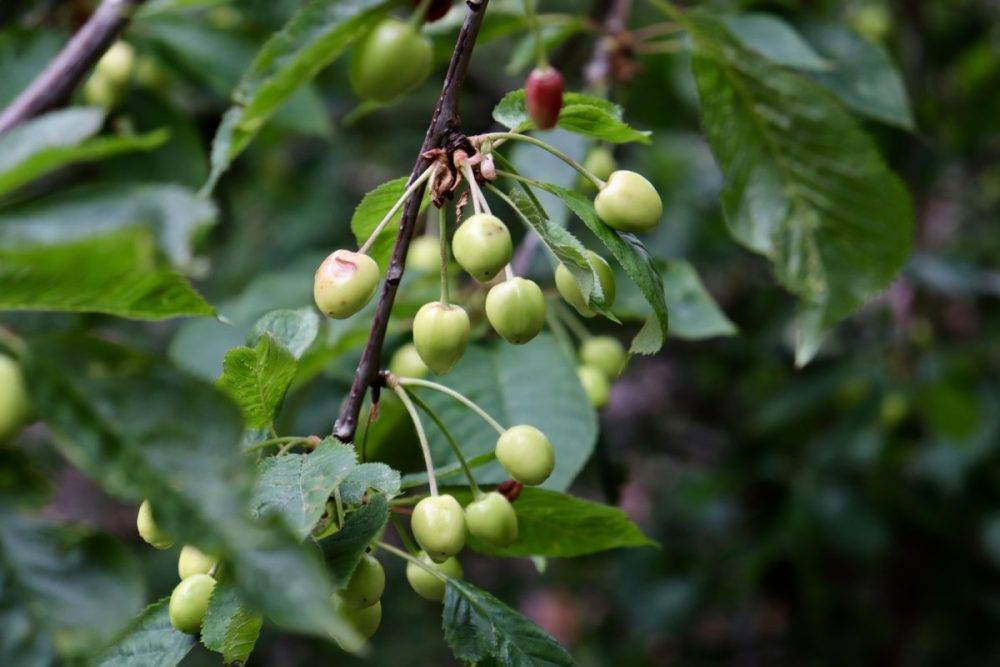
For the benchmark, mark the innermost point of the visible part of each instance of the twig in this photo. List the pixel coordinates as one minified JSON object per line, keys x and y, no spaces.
{"x":58,"y":80}
{"x":444,"y":121}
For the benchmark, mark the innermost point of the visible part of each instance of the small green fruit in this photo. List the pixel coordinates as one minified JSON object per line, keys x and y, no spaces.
{"x":148,"y":529}
{"x":601,"y":163}
{"x":426,"y":584}
{"x":604,"y":353}
{"x":482,"y":246}
{"x":14,"y":405}
{"x":189,"y":601}
{"x":424,"y":254}
{"x":365,"y":620}
{"x":344,"y":283}
{"x":629,"y":203}
{"x":492,"y":520}
{"x":366,"y":585}
{"x":440,"y":334}
{"x":526,"y":454}
{"x":389,"y":61}
{"x":570,"y":291}
{"x":595,"y":385}
{"x":117,"y":63}
{"x":406,"y":362}
{"x":194,"y":561}
{"x":438,"y":524}
{"x":516,"y":309}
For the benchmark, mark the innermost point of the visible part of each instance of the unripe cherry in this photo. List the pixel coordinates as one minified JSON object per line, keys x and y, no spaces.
{"x":344,"y":283}
{"x":570,"y":291}
{"x":629,"y":203}
{"x":426,"y":584}
{"x":516,"y":309}
{"x":389,"y":61}
{"x":117,"y":63}
{"x":543,"y":95}
{"x":424,"y":254}
{"x":482,"y":246}
{"x":194,"y":561}
{"x":601,"y":163}
{"x":595,"y":385}
{"x":440,"y":334}
{"x":364,"y":620}
{"x":436,"y":10}
{"x":189,"y":602}
{"x":148,"y":530}
{"x":366,"y":585}
{"x":406,"y":362}
{"x":526,"y":454}
{"x":438,"y":525}
{"x":491,"y":519}
{"x":14,"y":405}
{"x":604,"y":353}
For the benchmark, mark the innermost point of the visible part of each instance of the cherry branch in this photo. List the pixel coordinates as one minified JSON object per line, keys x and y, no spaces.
{"x":444,"y":125}
{"x":57,"y":81}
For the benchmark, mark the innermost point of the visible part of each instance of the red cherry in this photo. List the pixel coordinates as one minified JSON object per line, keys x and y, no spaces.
{"x":436,"y":10}
{"x":543,"y":94}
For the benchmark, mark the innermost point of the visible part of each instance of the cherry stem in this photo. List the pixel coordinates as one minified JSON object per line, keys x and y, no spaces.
{"x":443,"y":243}
{"x":510,"y":203}
{"x":276,"y":441}
{"x":655,"y":30}
{"x":551,"y":149}
{"x":420,"y":14}
{"x":531,"y":17}
{"x":571,"y":321}
{"x":479,"y":203}
{"x":395,"y":207}
{"x":418,"y":382}
{"x":404,"y":535}
{"x":413,"y":559}
{"x":421,"y":436}
{"x":451,"y":441}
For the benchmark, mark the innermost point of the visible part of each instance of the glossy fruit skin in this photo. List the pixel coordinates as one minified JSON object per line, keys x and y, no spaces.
{"x":148,"y":529}
{"x":117,"y":63}
{"x":440,"y":334}
{"x":424,"y":254}
{"x":366,"y":585}
{"x":543,"y":95}
{"x":570,"y":291}
{"x":189,"y":601}
{"x":194,"y":561}
{"x":629,"y":203}
{"x":14,"y":405}
{"x":344,"y":283}
{"x":406,"y":362}
{"x":482,"y":246}
{"x":604,"y":353}
{"x":389,"y":61}
{"x":526,"y":454}
{"x":595,"y":385}
{"x":438,"y":524}
{"x":426,"y":584}
{"x":492,"y":520}
{"x":516,"y":310}
{"x":436,"y":10}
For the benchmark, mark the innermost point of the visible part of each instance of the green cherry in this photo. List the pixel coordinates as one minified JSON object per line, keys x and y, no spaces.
{"x":365,"y":620}
{"x":194,"y":561}
{"x":424,"y":254}
{"x":148,"y":529}
{"x":604,"y":353}
{"x":526,"y":454}
{"x":366,"y":584}
{"x":492,"y":520}
{"x":516,"y":309}
{"x":426,"y":585}
{"x":189,"y":602}
{"x":344,"y":283}
{"x":595,"y":385}
{"x":440,"y":334}
{"x":601,"y":163}
{"x":482,"y":246}
{"x":570,"y":291}
{"x":629,"y":203}
{"x":14,"y":406}
{"x":438,"y":525}
{"x":389,"y":61}
{"x":406,"y":362}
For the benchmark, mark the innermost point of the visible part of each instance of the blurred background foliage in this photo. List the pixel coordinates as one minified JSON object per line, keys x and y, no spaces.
{"x":847,"y":512}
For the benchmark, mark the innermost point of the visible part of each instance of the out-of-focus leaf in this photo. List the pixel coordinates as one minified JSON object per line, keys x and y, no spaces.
{"x":150,"y":641}
{"x":583,"y":114}
{"x":295,"y":329}
{"x":522,"y":56}
{"x":774,"y":39}
{"x":24,"y":641}
{"x":230,"y":628}
{"x":257,"y":379}
{"x":344,"y":549}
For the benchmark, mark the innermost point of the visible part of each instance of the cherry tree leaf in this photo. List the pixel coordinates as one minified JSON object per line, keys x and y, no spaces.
{"x":584,"y":114}
{"x":774,"y":39}
{"x":295,"y":329}
{"x":149,"y":641}
{"x":230,"y":627}
{"x":344,"y":548}
{"x":257,"y":379}
{"x":372,"y":209}
{"x":367,"y":476}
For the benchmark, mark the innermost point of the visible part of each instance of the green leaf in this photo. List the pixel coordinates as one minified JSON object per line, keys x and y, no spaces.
{"x":257,"y":379}
{"x":804,"y":186}
{"x":313,"y":37}
{"x":82,"y":587}
{"x":150,"y":641}
{"x":584,"y":114}
{"x":366,"y":476}
{"x":559,"y":525}
{"x":344,"y":549}
{"x":863,"y":76}
{"x":370,"y":212}
{"x":774,"y":39}
{"x":230,"y":628}
{"x":633,"y":257}
{"x":117,"y":274}
{"x":478,"y":626}
{"x":297,"y":486}
{"x":295,"y":329}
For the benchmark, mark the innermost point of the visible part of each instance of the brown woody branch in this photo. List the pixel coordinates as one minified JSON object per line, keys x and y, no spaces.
{"x":443,"y":126}
{"x":57,"y":81}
